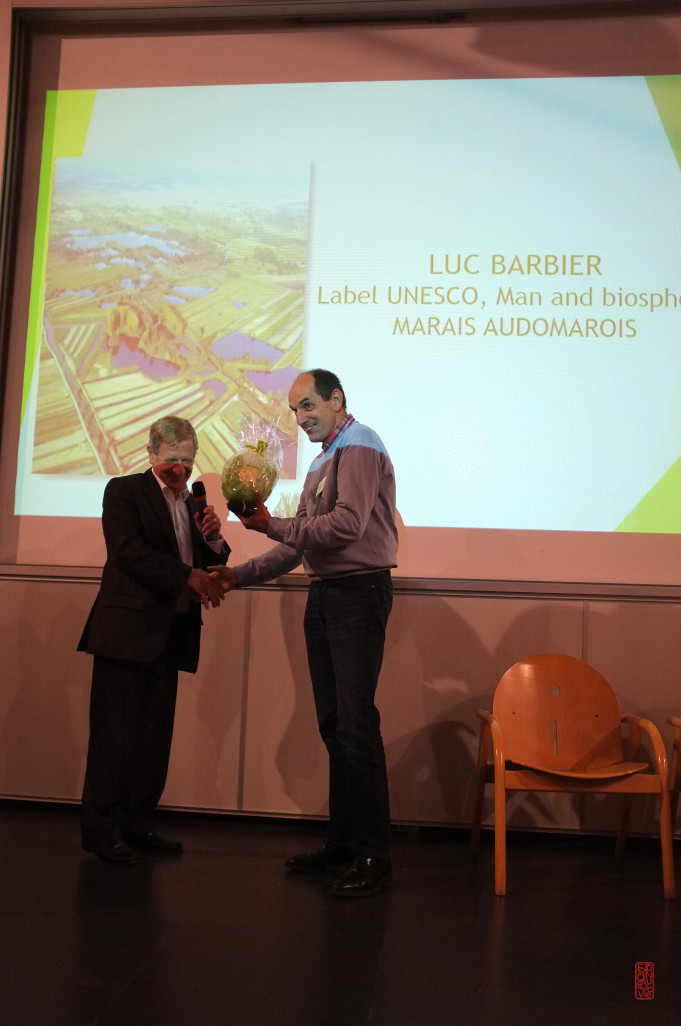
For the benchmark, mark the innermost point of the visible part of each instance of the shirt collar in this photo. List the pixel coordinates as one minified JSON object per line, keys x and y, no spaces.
{"x":341,"y":426}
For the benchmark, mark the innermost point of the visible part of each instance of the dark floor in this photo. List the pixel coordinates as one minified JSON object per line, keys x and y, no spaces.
{"x":224,"y":937}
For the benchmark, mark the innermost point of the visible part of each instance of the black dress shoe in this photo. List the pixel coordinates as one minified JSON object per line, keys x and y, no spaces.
{"x":115,"y":851}
{"x":154,"y":843}
{"x":327,"y":856}
{"x":366,"y":876}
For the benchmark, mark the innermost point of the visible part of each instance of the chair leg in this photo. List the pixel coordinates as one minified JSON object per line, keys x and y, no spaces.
{"x":499,"y":832}
{"x":675,"y":775}
{"x":483,"y":748}
{"x":667,"y":846}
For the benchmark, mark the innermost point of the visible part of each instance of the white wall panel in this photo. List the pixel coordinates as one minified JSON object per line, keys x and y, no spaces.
{"x":444,"y":657}
{"x":284,"y":759}
{"x":246,"y":737}
{"x":45,"y":688}
{"x":205,"y":759}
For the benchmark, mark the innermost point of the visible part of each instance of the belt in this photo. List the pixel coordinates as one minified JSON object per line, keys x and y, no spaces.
{"x":357,"y":580}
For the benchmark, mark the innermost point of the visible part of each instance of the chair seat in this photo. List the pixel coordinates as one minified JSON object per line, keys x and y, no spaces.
{"x":609,"y":771}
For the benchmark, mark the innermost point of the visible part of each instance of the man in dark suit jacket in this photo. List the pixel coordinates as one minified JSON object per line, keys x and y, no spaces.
{"x":144,"y":626}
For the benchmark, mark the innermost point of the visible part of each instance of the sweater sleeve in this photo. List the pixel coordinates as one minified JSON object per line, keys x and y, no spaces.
{"x":274,"y":563}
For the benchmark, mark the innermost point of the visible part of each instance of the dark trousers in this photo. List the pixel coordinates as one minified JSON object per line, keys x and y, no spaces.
{"x":132,"y":711}
{"x":345,"y":622}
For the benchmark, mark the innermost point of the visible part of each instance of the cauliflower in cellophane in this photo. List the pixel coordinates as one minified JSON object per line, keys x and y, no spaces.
{"x":255,"y":468}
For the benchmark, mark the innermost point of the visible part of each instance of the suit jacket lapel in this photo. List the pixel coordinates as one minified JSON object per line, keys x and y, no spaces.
{"x":159,"y":506}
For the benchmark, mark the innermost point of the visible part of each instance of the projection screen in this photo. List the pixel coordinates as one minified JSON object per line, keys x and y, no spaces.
{"x":476,"y":225}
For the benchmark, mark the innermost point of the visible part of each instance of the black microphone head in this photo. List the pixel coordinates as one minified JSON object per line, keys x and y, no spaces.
{"x":199,"y":490}
{"x":240,"y":508}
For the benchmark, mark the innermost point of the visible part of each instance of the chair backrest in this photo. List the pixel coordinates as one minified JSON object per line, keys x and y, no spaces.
{"x":559,"y":713}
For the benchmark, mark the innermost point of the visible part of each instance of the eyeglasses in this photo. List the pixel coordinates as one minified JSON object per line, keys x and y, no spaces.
{"x":172,"y":462}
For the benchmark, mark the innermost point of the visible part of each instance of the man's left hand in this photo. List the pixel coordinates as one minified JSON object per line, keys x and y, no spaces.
{"x":258,"y":521}
{"x":210,"y":523}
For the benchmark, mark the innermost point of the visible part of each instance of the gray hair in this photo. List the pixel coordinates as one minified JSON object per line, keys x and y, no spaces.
{"x":171,"y":430}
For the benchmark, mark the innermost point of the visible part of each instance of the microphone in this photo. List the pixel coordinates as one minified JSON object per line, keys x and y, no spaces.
{"x":199,"y":496}
{"x":239,"y":507}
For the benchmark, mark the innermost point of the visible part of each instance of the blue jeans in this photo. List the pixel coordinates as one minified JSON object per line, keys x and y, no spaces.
{"x":345,"y":623}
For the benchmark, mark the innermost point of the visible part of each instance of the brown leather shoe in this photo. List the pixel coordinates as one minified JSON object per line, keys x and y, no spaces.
{"x":116,"y":852}
{"x":154,"y":843}
{"x":327,"y":856}
{"x":366,"y":876}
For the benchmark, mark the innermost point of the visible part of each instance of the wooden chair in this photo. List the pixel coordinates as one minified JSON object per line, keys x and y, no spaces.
{"x":555,"y":725}
{"x":675,"y":767}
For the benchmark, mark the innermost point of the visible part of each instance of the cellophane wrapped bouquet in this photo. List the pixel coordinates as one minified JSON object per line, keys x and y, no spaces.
{"x":255,"y":468}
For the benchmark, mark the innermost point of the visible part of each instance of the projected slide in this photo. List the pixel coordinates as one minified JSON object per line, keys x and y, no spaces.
{"x":492,"y":267}
{"x":154,"y":304}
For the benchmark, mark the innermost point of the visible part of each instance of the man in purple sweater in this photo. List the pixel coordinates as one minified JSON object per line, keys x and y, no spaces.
{"x":344,"y":534}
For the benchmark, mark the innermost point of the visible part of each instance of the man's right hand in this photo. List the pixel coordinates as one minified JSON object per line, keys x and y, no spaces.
{"x":208,"y":588}
{"x":226,"y":577}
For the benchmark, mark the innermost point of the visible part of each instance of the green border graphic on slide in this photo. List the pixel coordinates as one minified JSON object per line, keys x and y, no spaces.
{"x":67,"y":119}
{"x":659,"y":511}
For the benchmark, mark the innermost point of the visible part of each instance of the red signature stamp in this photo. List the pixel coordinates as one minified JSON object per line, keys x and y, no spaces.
{"x":644,"y":981}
